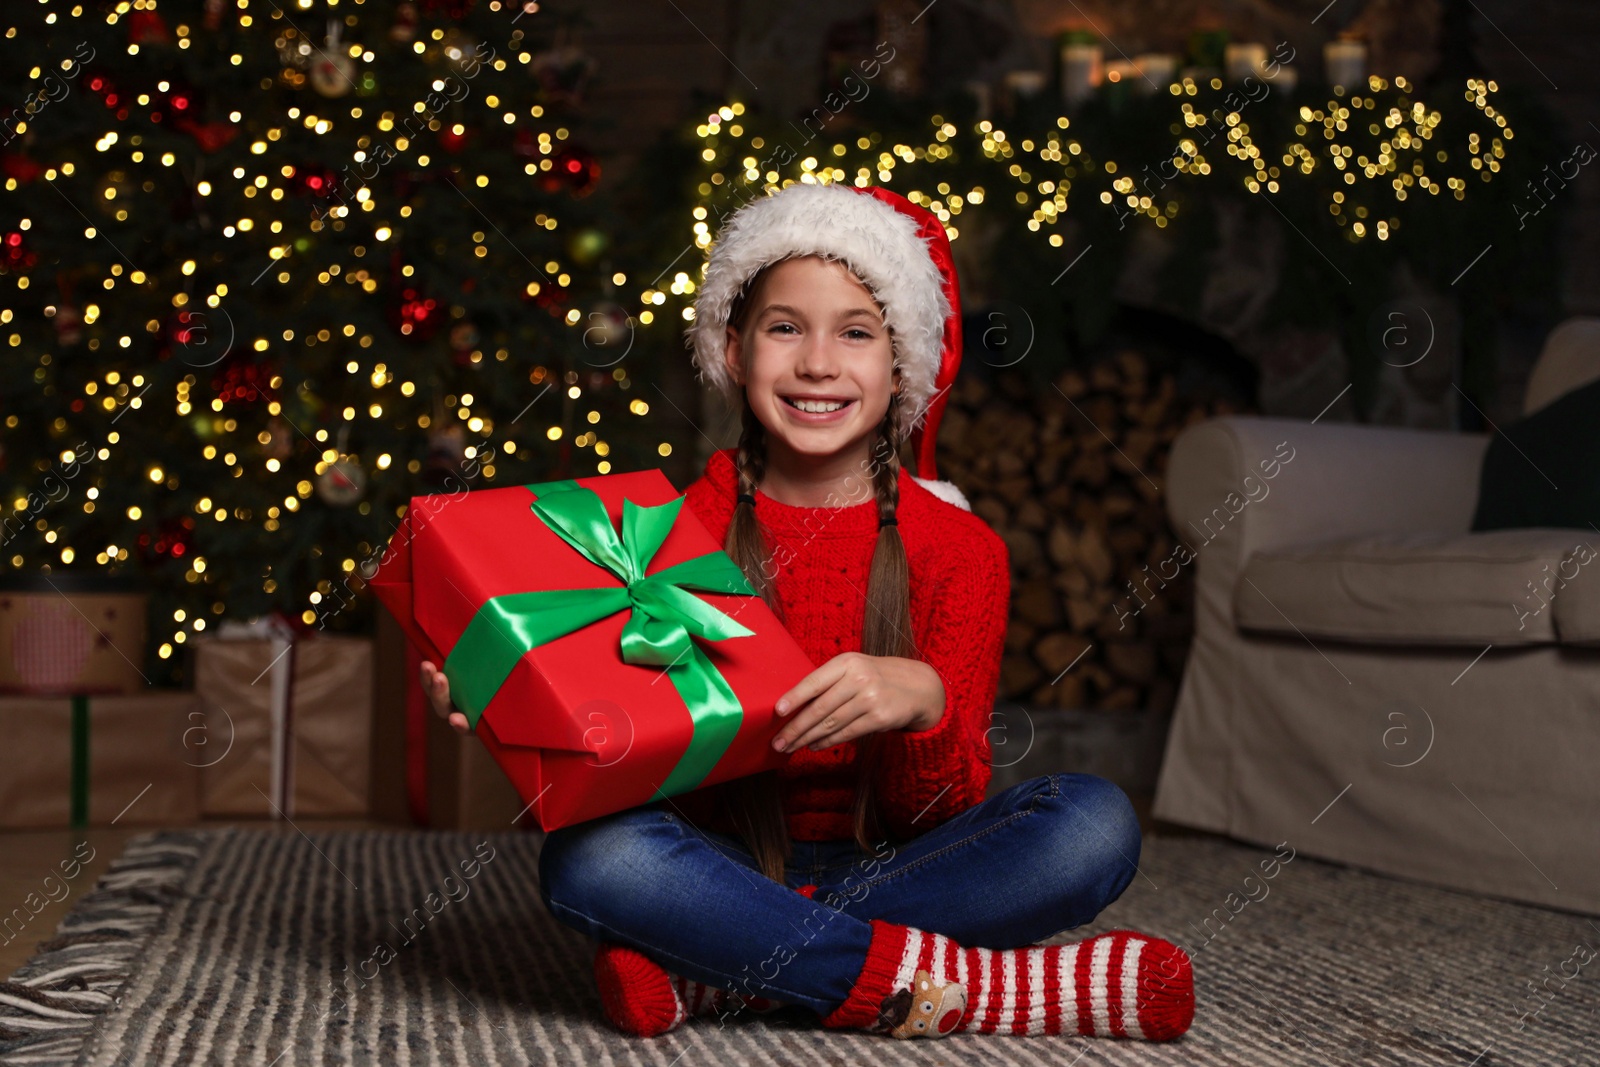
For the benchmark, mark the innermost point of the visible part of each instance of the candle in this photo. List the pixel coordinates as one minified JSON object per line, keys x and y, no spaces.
{"x":1285,"y":79}
{"x":1020,"y":84}
{"x":1122,"y":70}
{"x":979,"y":90}
{"x":1243,"y":60}
{"x":1080,"y":72}
{"x":1346,"y":62}
{"x":1121,"y":74}
{"x":1157,"y":70}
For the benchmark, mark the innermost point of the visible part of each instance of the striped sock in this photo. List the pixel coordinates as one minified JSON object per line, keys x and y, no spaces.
{"x":1119,"y":984}
{"x":643,"y":998}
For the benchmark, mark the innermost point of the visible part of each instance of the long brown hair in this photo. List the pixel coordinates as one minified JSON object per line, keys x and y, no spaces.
{"x":754,"y":802}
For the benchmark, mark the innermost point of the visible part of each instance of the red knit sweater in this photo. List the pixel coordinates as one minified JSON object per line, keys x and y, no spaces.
{"x":960,"y":596}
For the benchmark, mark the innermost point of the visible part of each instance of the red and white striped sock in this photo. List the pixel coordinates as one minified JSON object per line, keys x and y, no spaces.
{"x":1119,"y":984}
{"x":641,"y":997}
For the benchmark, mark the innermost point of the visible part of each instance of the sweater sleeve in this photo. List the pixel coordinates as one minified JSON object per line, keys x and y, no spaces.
{"x":928,"y":776}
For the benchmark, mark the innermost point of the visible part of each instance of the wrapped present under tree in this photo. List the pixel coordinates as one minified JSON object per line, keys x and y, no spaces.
{"x":102,"y":760}
{"x":287,"y":721}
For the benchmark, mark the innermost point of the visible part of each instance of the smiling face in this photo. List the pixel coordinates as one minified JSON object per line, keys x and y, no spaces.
{"x":815,"y":358}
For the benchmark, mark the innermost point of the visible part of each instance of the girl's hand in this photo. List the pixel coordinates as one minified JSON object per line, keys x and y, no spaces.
{"x":855,"y":694}
{"x":437,"y":686}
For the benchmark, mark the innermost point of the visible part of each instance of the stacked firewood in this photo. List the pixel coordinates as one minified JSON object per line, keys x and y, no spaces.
{"x":1071,"y":475}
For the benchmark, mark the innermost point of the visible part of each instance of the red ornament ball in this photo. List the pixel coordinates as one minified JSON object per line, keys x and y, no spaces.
{"x":243,"y":382}
{"x":574,"y":169}
{"x":15,"y":254}
{"x":172,"y":539}
{"x":417,"y":317}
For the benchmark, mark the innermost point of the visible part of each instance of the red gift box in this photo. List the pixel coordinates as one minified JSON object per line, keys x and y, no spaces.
{"x":665,"y":686}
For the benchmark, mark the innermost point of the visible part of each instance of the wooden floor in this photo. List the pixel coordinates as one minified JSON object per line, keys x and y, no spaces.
{"x":28,"y":858}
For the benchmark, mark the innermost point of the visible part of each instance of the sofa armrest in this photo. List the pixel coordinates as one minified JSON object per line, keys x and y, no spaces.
{"x":1319,"y":483}
{"x":1260,"y":483}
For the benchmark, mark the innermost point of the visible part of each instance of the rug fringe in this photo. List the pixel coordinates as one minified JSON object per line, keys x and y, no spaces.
{"x":50,"y":1005}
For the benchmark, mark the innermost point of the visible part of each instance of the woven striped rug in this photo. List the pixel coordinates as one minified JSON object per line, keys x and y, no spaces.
{"x":233,"y":946}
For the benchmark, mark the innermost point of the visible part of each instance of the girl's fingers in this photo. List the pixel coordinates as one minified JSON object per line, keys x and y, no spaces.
{"x":437,"y":686}
{"x":859,"y":726}
{"x":817,"y":722}
{"x":813,"y":684}
{"x":849,"y":721}
{"x":459,"y":721}
{"x":803,"y":719}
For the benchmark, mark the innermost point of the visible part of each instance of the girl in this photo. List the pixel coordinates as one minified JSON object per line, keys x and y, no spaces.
{"x":859,"y":879}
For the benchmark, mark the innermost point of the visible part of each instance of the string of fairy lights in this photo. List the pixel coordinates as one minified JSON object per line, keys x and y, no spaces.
{"x":1382,"y":139}
{"x":1403,"y":130}
{"x":370,"y":214}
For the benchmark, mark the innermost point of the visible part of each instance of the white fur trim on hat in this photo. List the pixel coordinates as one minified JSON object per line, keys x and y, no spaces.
{"x":879,"y":244}
{"x":945,"y":491}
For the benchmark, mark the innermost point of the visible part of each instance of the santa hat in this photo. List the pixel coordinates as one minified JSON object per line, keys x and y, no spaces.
{"x":899,"y":251}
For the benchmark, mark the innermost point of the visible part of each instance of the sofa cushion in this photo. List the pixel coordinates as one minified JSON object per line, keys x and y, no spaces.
{"x":1468,"y":589}
{"x":1540,"y":470}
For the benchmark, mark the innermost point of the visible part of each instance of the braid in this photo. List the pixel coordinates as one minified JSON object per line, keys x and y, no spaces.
{"x":745,"y":544}
{"x":886,"y":629}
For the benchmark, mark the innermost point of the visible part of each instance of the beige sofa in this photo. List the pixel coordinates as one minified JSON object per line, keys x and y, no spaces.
{"x":1374,"y":684}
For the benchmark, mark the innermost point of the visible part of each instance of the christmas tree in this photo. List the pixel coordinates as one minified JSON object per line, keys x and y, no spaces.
{"x":271,"y":269}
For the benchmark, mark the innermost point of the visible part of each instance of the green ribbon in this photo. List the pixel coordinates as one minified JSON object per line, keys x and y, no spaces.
{"x":546,"y":488}
{"x":663,"y":619}
{"x":80,"y":761}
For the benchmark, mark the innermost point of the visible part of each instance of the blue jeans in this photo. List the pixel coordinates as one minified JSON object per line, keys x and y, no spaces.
{"x":1039,"y":858}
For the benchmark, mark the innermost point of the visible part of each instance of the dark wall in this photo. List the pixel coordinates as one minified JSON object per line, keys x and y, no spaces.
{"x":653,"y":58}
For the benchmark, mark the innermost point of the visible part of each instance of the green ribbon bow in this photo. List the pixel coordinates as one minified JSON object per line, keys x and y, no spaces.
{"x":663,"y":619}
